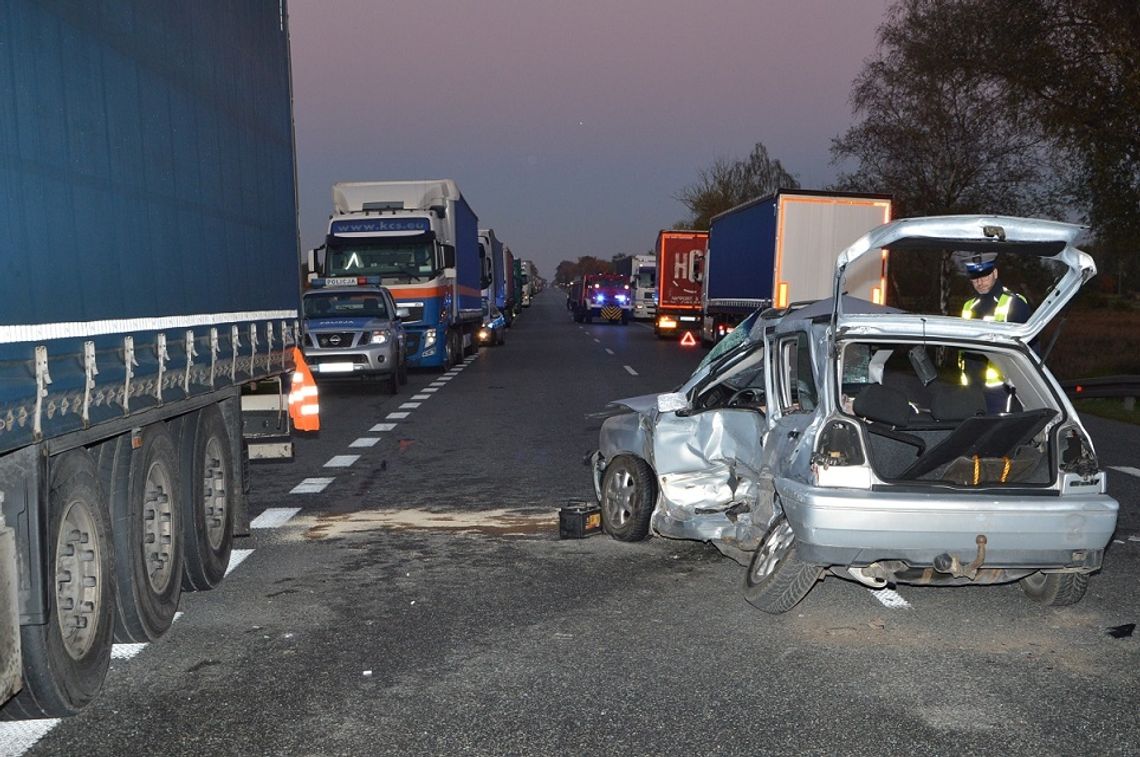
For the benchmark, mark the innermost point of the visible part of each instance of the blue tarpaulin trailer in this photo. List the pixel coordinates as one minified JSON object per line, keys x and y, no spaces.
{"x":150,"y":279}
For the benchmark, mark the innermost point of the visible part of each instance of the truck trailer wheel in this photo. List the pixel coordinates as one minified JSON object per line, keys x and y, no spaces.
{"x":144,"y":487}
{"x":208,"y":489}
{"x":66,"y":659}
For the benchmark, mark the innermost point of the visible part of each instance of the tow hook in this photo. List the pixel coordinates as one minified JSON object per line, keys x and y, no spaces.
{"x":947,"y":563}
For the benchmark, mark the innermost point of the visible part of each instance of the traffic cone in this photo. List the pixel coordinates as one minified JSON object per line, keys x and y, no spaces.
{"x":304,"y":405}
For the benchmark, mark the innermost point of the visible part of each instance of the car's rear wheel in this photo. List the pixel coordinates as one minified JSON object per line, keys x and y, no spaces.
{"x":629,"y":492}
{"x":777,"y":579}
{"x":1056,"y":589}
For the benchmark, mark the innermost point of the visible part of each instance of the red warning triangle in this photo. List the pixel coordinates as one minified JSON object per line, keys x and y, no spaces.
{"x":688,"y":340}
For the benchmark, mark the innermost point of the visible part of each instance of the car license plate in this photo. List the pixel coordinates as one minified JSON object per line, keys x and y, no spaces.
{"x":334,"y":367}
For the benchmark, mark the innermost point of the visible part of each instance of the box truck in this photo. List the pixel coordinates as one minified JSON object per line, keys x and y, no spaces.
{"x":641,"y":270}
{"x":780,"y":249}
{"x":420,"y":240}
{"x":150,"y":288}
{"x":680,"y":257}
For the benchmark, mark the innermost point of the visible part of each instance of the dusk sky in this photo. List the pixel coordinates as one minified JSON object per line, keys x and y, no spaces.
{"x":569,"y":126}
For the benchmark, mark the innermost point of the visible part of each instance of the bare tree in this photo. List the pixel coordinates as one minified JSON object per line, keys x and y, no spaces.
{"x":728,"y":183}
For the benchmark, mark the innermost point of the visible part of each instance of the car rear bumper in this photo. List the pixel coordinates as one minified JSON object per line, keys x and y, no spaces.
{"x":858,"y":528}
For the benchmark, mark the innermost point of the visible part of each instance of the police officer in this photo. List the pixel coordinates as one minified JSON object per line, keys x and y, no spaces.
{"x":993,"y":302}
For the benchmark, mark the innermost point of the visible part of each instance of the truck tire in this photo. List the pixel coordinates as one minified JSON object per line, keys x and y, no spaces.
{"x":776,"y":579}
{"x":629,"y":494}
{"x":144,"y":487}
{"x":208,"y":497}
{"x":1055,"y":589}
{"x":66,"y":659}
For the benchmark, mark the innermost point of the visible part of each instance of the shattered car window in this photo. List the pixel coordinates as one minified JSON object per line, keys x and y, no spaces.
{"x":731,"y":341}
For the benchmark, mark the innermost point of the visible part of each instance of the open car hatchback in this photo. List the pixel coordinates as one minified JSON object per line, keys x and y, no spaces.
{"x":840,"y":438}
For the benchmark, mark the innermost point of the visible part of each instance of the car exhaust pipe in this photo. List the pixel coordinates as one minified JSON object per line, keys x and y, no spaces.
{"x":951,"y":564}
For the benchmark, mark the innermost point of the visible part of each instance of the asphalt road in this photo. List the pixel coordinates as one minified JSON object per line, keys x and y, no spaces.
{"x":419,"y":602}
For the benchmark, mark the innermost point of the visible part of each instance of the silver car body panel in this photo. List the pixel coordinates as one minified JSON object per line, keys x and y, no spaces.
{"x":941,"y":232}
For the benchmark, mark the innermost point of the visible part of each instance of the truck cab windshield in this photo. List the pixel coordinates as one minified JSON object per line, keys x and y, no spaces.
{"x":400,"y":260}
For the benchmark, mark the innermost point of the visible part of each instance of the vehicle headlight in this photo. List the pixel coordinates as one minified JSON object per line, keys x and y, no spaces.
{"x":380,"y":337}
{"x":429,"y":338}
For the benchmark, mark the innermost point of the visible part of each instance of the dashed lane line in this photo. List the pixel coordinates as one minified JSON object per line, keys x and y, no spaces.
{"x":396,"y":416}
{"x":431,"y":389}
{"x":609,"y":350}
{"x":599,"y":341}
{"x":274,"y":517}
{"x":409,"y":406}
{"x":421,"y":397}
{"x":631,"y":371}
{"x":364,"y":441}
{"x":380,"y":428}
{"x":342,"y":461}
{"x":21,"y":735}
{"x":1126,"y":469}
{"x":237,"y":557}
{"x":890,"y":599}
{"x":311,"y":486}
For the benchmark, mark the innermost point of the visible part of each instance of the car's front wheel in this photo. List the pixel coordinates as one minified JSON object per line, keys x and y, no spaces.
{"x":629,"y":492}
{"x":777,"y":579}
{"x":1056,"y":589}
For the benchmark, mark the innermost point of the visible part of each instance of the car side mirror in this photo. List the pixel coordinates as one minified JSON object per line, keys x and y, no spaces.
{"x":671,"y":402}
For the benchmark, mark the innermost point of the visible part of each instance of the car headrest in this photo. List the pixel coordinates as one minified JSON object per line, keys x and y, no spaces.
{"x":956,"y":403}
{"x":883,"y":404}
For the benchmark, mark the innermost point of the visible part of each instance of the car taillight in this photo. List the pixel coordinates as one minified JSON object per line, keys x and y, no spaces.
{"x":838,"y":459}
{"x":1076,"y":451}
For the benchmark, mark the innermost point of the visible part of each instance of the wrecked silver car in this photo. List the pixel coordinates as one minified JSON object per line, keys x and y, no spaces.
{"x":837,"y":438}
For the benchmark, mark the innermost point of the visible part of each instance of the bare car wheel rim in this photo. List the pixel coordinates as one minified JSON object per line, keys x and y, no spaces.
{"x":77,"y":579}
{"x":158,"y":522}
{"x":620,"y":492}
{"x":772,"y":551}
{"x":214,"y":495}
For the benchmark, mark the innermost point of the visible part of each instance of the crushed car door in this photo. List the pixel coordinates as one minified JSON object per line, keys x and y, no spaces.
{"x":707,"y":457}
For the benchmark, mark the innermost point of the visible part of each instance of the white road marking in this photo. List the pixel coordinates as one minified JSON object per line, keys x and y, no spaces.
{"x":609,"y":350}
{"x":19,"y":736}
{"x":432,"y":389}
{"x":1134,"y":537}
{"x":599,"y":341}
{"x":1126,"y":469}
{"x":341,"y":461}
{"x":311,"y":486}
{"x":237,"y":557}
{"x":442,"y":380}
{"x":421,"y":396}
{"x":409,"y":406}
{"x":890,"y":598}
{"x":126,"y":651}
{"x":630,"y":370}
{"x":382,"y":427}
{"x":396,"y":416}
{"x":274,"y":517}
{"x":364,"y":441}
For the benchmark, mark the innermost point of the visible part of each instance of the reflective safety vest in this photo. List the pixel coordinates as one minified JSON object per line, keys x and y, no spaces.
{"x":304,"y":406}
{"x":993,"y":376}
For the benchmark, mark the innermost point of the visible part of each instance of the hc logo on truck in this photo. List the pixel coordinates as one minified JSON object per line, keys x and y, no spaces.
{"x":685,"y":265}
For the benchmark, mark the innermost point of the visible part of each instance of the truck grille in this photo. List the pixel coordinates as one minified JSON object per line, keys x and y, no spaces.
{"x":336,"y":339}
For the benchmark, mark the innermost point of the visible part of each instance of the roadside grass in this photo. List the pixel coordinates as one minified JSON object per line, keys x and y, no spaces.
{"x":1097,"y":342}
{"x":1113,"y":409}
